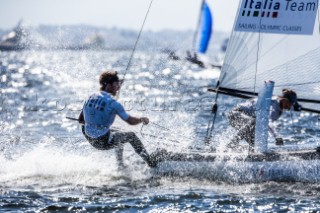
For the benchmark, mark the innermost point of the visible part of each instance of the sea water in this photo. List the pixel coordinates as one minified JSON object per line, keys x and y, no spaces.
{"x":46,"y":164}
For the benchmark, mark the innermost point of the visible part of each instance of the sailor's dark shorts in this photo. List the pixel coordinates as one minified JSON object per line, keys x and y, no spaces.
{"x":101,"y":142}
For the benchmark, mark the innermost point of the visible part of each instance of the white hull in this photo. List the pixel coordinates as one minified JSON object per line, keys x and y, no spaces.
{"x":242,"y":170}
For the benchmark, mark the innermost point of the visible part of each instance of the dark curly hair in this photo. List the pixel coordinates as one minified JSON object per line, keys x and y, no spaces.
{"x":293,"y":99}
{"x":108,"y":77}
{"x":290,"y":95}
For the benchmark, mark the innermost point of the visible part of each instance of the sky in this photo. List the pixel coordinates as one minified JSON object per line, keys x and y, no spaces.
{"x":127,"y":14}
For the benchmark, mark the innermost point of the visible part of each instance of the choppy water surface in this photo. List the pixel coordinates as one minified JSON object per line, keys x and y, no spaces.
{"x":46,"y":165}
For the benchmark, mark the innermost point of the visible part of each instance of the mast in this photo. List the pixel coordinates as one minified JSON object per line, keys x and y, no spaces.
{"x":262,"y":117}
{"x":197,"y":28}
{"x":214,"y":110}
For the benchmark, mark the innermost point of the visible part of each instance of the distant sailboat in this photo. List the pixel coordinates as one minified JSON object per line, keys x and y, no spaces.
{"x":202,"y":35}
{"x":201,"y":38}
{"x":15,"y":39}
{"x":206,"y":28}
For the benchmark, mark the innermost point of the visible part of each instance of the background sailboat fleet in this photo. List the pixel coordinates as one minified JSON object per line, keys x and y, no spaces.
{"x":201,"y":39}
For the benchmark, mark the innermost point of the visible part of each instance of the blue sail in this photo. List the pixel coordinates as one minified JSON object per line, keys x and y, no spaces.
{"x":206,"y":28}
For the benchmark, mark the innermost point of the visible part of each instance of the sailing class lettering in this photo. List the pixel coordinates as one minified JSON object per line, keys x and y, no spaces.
{"x":266,"y":4}
{"x":290,"y":5}
{"x":292,"y":28}
{"x":280,"y":28}
{"x":247,"y":26}
{"x":270,"y":27}
{"x":302,"y":6}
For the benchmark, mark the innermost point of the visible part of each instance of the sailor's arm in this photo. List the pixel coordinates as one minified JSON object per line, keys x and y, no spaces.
{"x":135,"y":120}
{"x":279,"y":140}
{"x":275,"y":113}
{"x":273,"y":131}
{"x":132,"y":120}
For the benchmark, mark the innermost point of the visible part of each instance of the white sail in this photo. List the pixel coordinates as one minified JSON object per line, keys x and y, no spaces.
{"x":276,"y":40}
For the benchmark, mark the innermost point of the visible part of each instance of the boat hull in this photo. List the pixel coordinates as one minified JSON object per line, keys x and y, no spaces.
{"x":236,"y":168}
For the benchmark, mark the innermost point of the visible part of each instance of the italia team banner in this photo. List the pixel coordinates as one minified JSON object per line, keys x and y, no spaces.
{"x":277,"y":16}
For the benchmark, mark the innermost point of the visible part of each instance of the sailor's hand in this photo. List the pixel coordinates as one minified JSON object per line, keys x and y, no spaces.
{"x":144,"y":120}
{"x":279,"y":141}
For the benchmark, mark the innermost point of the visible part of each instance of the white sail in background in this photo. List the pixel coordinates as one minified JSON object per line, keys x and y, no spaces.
{"x":276,"y":40}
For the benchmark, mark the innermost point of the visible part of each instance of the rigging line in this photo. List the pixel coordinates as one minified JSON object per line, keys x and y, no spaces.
{"x":221,"y":79}
{"x":245,"y":94}
{"x":270,"y":49}
{"x":284,"y":38}
{"x":318,"y":18}
{"x":282,"y":65}
{"x":280,"y":41}
{"x":214,"y":111}
{"x":255,"y":75}
{"x":311,"y":82}
{"x":275,"y":45}
{"x":197,"y":29}
{"x":135,"y":44}
{"x":282,"y":85}
{"x":167,"y":129}
{"x":244,"y":79}
{"x":154,"y":136}
{"x":158,"y":137}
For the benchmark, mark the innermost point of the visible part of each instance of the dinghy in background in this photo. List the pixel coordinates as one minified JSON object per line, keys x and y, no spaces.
{"x":202,"y":36}
{"x":14,"y":40}
{"x":201,"y":40}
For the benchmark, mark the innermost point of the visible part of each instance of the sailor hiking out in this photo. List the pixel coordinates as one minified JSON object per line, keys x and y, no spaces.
{"x":98,"y":114}
{"x":243,"y":117}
